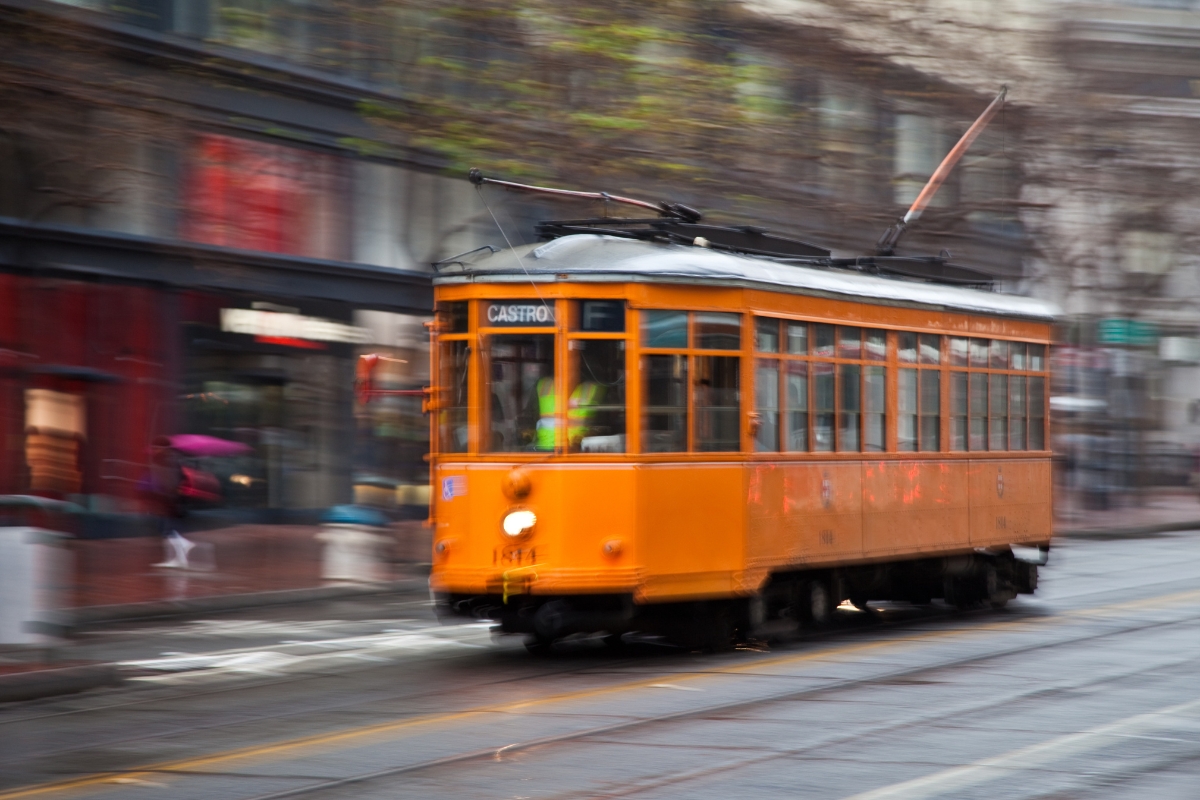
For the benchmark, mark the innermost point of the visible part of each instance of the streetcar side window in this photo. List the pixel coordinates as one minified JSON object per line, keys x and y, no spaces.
{"x":692,"y":396}
{"x":1017,"y":412}
{"x":664,"y":423}
{"x":1037,"y":411}
{"x":716,"y":402}
{"x":797,"y":406}
{"x":874,"y":409}
{"x":766,"y":335}
{"x":824,"y":399}
{"x":664,"y":329}
{"x":958,"y":410}
{"x":998,"y":410}
{"x":766,"y":401}
{"x":994,"y":404}
{"x":919,"y":406}
{"x":781,"y":398}
{"x":718,"y":331}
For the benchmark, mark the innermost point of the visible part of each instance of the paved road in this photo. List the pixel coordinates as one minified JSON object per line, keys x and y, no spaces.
{"x":1088,"y":690}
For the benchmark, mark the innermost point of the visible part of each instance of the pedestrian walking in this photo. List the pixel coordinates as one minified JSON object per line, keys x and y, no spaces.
{"x":160,"y":488}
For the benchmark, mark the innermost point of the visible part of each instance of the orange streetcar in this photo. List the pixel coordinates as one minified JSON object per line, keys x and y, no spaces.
{"x":659,"y":425}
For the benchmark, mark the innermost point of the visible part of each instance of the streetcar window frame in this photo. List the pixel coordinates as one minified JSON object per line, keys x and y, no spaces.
{"x":695,"y":362}
{"x":845,"y":380}
{"x":613,"y":328}
{"x":799,"y":362}
{"x":983,"y":390}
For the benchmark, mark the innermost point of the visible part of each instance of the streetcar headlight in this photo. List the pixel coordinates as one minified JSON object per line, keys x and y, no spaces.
{"x":518,"y":522}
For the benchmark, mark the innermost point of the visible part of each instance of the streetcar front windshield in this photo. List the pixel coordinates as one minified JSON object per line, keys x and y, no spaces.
{"x":520,"y":393}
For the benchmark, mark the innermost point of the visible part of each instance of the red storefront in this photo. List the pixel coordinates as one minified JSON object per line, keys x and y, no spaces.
{"x":86,"y":379}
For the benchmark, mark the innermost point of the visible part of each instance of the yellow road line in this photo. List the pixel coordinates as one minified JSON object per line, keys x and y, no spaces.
{"x":292,"y":746}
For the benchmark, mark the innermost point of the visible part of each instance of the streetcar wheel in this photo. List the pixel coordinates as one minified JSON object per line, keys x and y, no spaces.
{"x":539,"y":645}
{"x":614,"y":643}
{"x":722,"y":631}
{"x":996,"y":595}
{"x":820,"y":606}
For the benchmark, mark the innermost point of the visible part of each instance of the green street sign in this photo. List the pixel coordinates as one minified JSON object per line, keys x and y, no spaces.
{"x":1115,"y":330}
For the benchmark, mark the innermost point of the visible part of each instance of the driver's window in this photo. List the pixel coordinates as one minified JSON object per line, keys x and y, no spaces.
{"x":595,"y":408}
{"x":520,"y":393}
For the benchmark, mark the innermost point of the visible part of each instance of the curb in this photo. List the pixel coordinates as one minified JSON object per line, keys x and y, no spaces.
{"x":52,"y":682}
{"x":1135,"y":532}
{"x":128,"y":612}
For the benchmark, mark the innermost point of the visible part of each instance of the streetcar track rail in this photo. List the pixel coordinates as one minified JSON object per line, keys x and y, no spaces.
{"x":833,"y":632}
{"x":683,"y":776}
{"x":805,"y":636}
{"x":813,"y":635}
{"x":491,"y":752}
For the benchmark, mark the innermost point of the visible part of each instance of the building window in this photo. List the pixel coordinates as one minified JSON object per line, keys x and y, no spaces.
{"x":257,"y":196}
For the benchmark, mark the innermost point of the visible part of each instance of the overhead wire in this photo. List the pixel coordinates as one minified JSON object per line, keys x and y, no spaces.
{"x":520,"y":260}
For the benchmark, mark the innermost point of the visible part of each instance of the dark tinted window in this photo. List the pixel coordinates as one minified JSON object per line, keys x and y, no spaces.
{"x":601,"y":316}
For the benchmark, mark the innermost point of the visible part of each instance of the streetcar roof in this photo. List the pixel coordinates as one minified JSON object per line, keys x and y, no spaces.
{"x":601,"y":258}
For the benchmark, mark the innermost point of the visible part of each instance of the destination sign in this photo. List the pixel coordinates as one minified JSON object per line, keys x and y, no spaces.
{"x":520,"y":315}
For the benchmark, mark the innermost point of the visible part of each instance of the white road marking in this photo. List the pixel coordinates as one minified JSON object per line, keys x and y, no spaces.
{"x":302,"y":656}
{"x":1006,"y":765}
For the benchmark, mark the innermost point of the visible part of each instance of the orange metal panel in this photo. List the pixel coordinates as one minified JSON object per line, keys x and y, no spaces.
{"x":579,"y":510}
{"x":1010,"y":502}
{"x":690,"y":530}
{"x":914,"y":506}
{"x":804,"y":513}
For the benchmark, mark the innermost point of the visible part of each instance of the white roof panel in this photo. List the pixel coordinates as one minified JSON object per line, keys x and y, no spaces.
{"x":591,"y":257}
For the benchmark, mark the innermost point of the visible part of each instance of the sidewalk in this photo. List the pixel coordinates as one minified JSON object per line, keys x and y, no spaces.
{"x":1156,"y":511}
{"x":240,"y":567}
{"x":234,"y":567}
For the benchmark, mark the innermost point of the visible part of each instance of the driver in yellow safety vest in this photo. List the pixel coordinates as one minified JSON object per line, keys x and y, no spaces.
{"x":580,"y":410}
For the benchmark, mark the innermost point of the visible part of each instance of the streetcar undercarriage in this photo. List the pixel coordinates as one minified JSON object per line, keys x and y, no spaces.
{"x":790,"y":601}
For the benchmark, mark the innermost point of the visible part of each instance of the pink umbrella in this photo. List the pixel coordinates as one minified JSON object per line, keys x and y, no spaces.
{"x":195,"y":444}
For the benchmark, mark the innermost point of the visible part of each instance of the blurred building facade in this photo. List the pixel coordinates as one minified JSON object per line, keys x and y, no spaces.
{"x":195,"y":239}
{"x":190,"y":190}
{"x":1107,"y":199}
{"x":203,"y":224}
